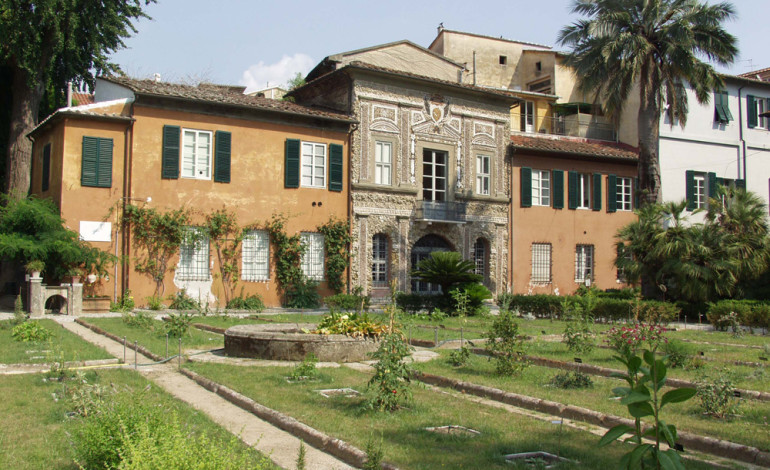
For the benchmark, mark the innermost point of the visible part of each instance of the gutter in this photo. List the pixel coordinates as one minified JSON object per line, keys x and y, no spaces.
{"x":740,"y":134}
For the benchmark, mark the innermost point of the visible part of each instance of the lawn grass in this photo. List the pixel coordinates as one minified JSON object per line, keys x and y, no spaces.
{"x":155,"y":340}
{"x":750,"y":428}
{"x":71,"y":346}
{"x":35,"y":429}
{"x":402,"y":435}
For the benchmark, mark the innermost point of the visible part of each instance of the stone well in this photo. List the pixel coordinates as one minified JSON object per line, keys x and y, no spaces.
{"x":288,"y":342}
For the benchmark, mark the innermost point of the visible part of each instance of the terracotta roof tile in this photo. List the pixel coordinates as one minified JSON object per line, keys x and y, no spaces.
{"x":82,"y":98}
{"x":587,"y":148}
{"x":224,"y":95}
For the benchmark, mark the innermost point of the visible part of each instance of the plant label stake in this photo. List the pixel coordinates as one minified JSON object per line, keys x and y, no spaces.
{"x":410,"y":334}
{"x":166,"y":345}
{"x":678,"y":447}
{"x":179,"y":360}
{"x":578,"y":360}
{"x":461,"y":338}
{"x":435,"y":337}
{"x":136,"y":355}
{"x":124,"y":350}
{"x":737,"y":393}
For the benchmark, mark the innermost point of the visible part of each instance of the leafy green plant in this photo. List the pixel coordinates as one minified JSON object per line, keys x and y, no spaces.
{"x":678,"y":354}
{"x":337,"y":241}
{"x":506,"y":346}
{"x":287,"y":254}
{"x":459,"y":357}
{"x":30,"y":331}
{"x":19,"y":315}
{"x":252,"y":303}
{"x":646,"y":376}
{"x":717,"y":396}
{"x":389,"y":386}
{"x":182,"y":301}
{"x":578,"y":333}
{"x":348,"y":302}
{"x":177,"y":325}
{"x":628,"y":339}
{"x":140,"y":319}
{"x":124,"y":304}
{"x":34,"y":266}
{"x":155,"y":303}
{"x":461,"y":302}
{"x":447,"y":269}
{"x":572,"y":380}
{"x":374,"y":454}
{"x":226,"y":236}
{"x":351,"y":324}
{"x":300,"y":465}
{"x":302,"y":293}
{"x":305,"y":370}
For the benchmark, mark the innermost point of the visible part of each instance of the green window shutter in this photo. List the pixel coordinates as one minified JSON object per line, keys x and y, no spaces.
{"x":597,"y":192}
{"x":722,"y":182}
{"x":170,"y":155}
{"x":689,"y":179}
{"x":572,"y":180}
{"x":90,"y":163}
{"x":46,"y":167}
{"x":223,"y":146}
{"x":740,"y":184}
{"x":335,"y":167}
{"x":612,"y":193}
{"x":637,"y":193}
{"x":526,"y":187}
{"x":558,"y":189}
{"x":751,"y":111}
{"x":291,"y":172}
{"x":712,"y":189}
{"x":726,"y":106}
{"x":104,"y":170}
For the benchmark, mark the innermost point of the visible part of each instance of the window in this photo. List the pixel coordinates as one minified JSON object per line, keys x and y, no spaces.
{"x":313,"y":258}
{"x":754,"y":107}
{"x":96,"y":167}
{"x":194,"y":257}
{"x":722,"y":112}
{"x":699,"y":187}
{"x":383,"y":160}
{"x":434,"y":175}
{"x":584,"y":263}
{"x":541,"y":86}
{"x":255,"y":256}
{"x":538,"y":66}
{"x":46,"y":177}
{"x":196,"y":154}
{"x":380,"y":260}
{"x":480,"y":257}
{"x":700,"y":191}
{"x":623,"y":254}
{"x":313,"y":165}
{"x":503,"y":60}
{"x":541,"y":263}
{"x":584,"y":191}
{"x":623,"y":194}
{"x":541,"y":188}
{"x":527,"y":117}
{"x":482,"y":174}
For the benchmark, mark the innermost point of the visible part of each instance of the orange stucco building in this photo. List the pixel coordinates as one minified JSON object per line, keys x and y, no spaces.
{"x":204,"y":148}
{"x":570,"y":198}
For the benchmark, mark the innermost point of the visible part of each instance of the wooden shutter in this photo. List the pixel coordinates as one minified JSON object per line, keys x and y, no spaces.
{"x":689,"y":179}
{"x":222,"y":149}
{"x":558,"y":189}
{"x":90,"y":165}
{"x":526,"y":187}
{"x":170,"y":152}
{"x":46,"y":167}
{"x":572,"y":180}
{"x":104,"y":164}
{"x":751,"y":111}
{"x":597,"y":192}
{"x":612,"y":193}
{"x":740,"y":184}
{"x":636,"y":190}
{"x":712,"y":182}
{"x":291,"y":170}
{"x":335,"y":167}
{"x":726,"y":106}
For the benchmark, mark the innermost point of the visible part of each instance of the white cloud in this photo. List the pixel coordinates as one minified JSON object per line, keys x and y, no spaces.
{"x":261,"y":75}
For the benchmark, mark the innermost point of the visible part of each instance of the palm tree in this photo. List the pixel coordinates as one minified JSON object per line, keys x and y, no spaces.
{"x":657,"y":46}
{"x":447,"y":269}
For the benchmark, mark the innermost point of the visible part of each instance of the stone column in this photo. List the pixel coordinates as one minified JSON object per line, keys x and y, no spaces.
{"x":36,"y":297}
{"x":75,"y":299}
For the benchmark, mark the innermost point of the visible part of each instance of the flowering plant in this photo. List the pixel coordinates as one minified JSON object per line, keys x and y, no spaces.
{"x":627,"y":339}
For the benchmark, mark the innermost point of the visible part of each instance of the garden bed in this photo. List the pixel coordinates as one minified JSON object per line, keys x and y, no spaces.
{"x":69,"y":345}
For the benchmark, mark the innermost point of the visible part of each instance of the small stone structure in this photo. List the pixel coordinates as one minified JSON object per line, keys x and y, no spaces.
{"x":39,"y":294}
{"x":289,"y":342}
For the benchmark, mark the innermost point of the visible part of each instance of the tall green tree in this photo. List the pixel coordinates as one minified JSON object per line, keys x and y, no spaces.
{"x":54,"y":41}
{"x":657,"y":46}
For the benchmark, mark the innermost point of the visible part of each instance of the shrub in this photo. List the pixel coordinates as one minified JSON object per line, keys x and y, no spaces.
{"x":459,"y":357}
{"x":305,"y":370}
{"x":760,"y":316}
{"x":139,"y":319}
{"x":182,"y":301}
{"x":351,"y":324}
{"x":389,"y":387}
{"x":729,"y":314}
{"x":30,"y":332}
{"x":177,"y":325}
{"x":415,"y":303}
{"x":627,"y":339}
{"x":471,"y":296}
{"x":626,"y":293}
{"x":348,"y":302}
{"x":654,"y":311}
{"x":19,"y":315}
{"x":374,"y":454}
{"x":678,"y":354}
{"x":124,"y":304}
{"x":252,"y":303}
{"x":572,"y":380}
{"x":303,"y":293}
{"x":613,"y":309}
{"x":505,"y":345}
{"x":155,"y":303}
{"x":540,"y":305}
{"x":717,"y":397}
{"x":578,"y":334}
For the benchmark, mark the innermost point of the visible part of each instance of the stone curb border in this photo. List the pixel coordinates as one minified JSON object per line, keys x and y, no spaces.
{"x":707,"y":445}
{"x":34,"y":366}
{"x":336,"y":447}
{"x":140,"y":349}
{"x":607,"y":372}
{"x":212,"y":329}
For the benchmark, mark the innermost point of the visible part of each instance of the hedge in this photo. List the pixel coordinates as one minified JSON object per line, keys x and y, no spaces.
{"x":747,"y":312}
{"x":348,"y":302}
{"x":607,"y":308}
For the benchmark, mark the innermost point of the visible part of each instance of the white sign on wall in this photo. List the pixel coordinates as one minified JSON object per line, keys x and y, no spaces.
{"x":95,"y":231}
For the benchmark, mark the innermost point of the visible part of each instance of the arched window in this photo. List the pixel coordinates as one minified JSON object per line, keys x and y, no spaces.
{"x":421,"y":250}
{"x":380,"y":260}
{"x":481,"y":257}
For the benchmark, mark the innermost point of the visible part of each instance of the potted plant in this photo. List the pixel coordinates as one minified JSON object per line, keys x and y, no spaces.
{"x":96,"y":267}
{"x":74,"y":275}
{"x":34,"y":268}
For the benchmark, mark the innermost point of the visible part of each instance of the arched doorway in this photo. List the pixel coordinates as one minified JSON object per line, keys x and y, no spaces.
{"x":421,"y":250}
{"x":56,"y":304}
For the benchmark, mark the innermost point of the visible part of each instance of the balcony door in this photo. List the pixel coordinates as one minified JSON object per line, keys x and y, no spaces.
{"x":434,"y":175}
{"x":527,"y":116}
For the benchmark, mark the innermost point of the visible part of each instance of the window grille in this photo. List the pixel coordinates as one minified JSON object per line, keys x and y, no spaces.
{"x":255,"y":254}
{"x":194,"y":257}
{"x":480,"y":257}
{"x":380,"y":260}
{"x":313,"y":258}
{"x":541,"y":263}
{"x":584,"y":263}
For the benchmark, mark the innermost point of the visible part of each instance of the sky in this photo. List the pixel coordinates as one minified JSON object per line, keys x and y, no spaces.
{"x":258,"y":43}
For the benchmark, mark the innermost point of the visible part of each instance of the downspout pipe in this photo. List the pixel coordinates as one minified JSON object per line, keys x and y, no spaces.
{"x":742,"y":150}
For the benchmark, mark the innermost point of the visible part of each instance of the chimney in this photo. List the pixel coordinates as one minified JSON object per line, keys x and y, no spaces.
{"x":156,"y":77}
{"x":69,"y":94}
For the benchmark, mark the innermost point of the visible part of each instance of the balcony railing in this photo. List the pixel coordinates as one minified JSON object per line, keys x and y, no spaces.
{"x":439,"y":211}
{"x":589,"y":126}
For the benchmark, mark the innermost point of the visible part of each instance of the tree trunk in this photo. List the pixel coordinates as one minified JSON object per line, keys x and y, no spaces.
{"x":649,"y":149}
{"x":24,"y":110}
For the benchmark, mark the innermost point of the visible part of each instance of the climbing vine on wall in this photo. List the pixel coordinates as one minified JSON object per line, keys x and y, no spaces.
{"x":337,"y":241}
{"x":287,"y":253}
{"x":227,"y":236}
